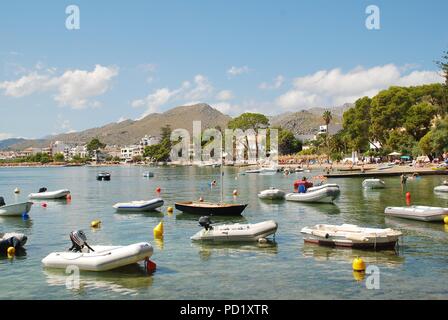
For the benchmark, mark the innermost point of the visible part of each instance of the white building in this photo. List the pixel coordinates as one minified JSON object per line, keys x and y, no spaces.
{"x":80,"y":151}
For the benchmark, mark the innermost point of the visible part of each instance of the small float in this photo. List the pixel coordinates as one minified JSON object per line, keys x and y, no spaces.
{"x":103,"y":176}
{"x":16,"y":209}
{"x":142,"y":205}
{"x":349,"y":235}
{"x":373,"y":184}
{"x":234,"y":232}
{"x":43,"y":194}
{"x":420,"y":213}
{"x":326,"y":193}
{"x":272,"y":194}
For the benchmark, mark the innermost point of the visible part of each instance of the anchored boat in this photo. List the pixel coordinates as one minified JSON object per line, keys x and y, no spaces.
{"x":326,"y":193}
{"x":272,"y":194}
{"x":421,"y":213}
{"x":442,"y":188}
{"x":17,"y":209}
{"x":43,"y":194}
{"x":142,"y":205}
{"x":234,"y":232}
{"x":373,"y":184}
{"x":349,"y":235}
{"x":103,"y":176}
{"x":148,"y":174}
{"x":210,"y":208}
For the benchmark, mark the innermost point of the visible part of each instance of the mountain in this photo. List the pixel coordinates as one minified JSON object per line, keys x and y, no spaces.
{"x":5,"y":144}
{"x":131,"y":131}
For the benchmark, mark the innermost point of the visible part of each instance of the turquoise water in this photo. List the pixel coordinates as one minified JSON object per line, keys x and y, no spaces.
{"x":286,"y":269}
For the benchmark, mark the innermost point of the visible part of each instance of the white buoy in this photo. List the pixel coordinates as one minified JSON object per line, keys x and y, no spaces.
{"x":262,"y":240}
{"x":16,"y":190}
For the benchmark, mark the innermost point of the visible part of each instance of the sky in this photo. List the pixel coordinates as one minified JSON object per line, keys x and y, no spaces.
{"x":129,"y":59}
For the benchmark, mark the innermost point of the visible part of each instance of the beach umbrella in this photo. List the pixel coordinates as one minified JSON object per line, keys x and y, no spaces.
{"x":395,"y":153}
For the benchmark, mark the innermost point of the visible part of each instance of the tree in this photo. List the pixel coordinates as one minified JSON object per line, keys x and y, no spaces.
{"x":327,"y":117}
{"x":58,"y":157}
{"x":418,"y":119}
{"x":443,"y":65}
{"x":94,"y":145}
{"x":356,"y":123}
{"x":287,"y":142}
{"x":435,"y":142}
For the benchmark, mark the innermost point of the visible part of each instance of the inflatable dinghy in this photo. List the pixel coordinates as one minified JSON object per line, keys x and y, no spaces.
{"x":442,"y":188}
{"x":17,"y":209}
{"x":143,"y":205}
{"x":420,"y":213}
{"x":234,"y":232}
{"x":373,"y":184}
{"x":103,"y":258}
{"x":272,"y":194}
{"x":325,"y":193}
{"x":43,"y":194}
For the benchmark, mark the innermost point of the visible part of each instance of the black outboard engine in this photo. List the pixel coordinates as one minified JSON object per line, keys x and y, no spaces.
{"x":205,"y":222}
{"x":2,"y":202}
{"x":79,"y":240}
{"x":43,"y":189}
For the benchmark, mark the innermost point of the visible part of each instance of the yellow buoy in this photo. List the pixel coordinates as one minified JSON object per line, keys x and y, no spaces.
{"x":95,"y":223}
{"x":159,"y":243}
{"x":445,"y":219}
{"x":158,"y":230}
{"x":170,"y":210}
{"x":358,"y":264}
{"x":359,"y":275}
{"x":11,"y":252}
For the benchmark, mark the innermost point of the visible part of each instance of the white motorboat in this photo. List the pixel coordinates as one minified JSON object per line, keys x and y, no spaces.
{"x":16,"y":209}
{"x":102,"y":258}
{"x":234,"y":232}
{"x":421,"y":213}
{"x":272,"y":194}
{"x":43,"y":194}
{"x":349,"y":235}
{"x":326,"y":193}
{"x":441,"y":188}
{"x":142,"y":205}
{"x":268,"y":171}
{"x":148,"y":174}
{"x":253,"y":171}
{"x":373,"y":184}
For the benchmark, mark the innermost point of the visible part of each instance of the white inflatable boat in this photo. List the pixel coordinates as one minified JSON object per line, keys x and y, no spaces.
{"x":373,"y":184}
{"x":142,"y":205}
{"x":272,"y":194}
{"x":236,"y":232}
{"x":16,"y":209}
{"x":349,"y":235}
{"x":324,"y":193}
{"x":442,"y":188}
{"x":421,"y":213}
{"x":103,"y":258}
{"x":47,"y":195}
{"x":148,"y":174}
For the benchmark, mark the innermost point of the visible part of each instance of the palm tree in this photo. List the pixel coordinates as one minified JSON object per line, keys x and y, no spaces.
{"x":327,"y":116}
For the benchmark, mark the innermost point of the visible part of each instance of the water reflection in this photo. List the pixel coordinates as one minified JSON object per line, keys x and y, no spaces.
{"x":435,"y":230}
{"x":10,"y":224}
{"x":215,"y":219}
{"x":210,"y":249}
{"x":441,"y":195}
{"x":127,"y":280}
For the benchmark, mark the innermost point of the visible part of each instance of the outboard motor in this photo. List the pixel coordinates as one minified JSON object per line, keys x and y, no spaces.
{"x":2,"y":202}
{"x":205,"y":222}
{"x":43,"y":189}
{"x":79,"y":240}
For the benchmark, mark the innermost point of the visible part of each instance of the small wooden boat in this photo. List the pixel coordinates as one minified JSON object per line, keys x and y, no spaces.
{"x":17,"y":209}
{"x":373,"y":184}
{"x":272,"y":194}
{"x":102,"y":258}
{"x":43,"y":194}
{"x":142,"y":205}
{"x":234,"y":232}
{"x":103,"y":176}
{"x":326,"y":193}
{"x":210,"y":209}
{"x":348,"y":235}
{"x":421,"y":213}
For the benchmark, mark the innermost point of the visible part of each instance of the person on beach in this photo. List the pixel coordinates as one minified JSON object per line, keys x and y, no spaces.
{"x":403,"y":179}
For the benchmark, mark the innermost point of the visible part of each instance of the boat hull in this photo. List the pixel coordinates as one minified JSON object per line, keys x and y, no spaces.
{"x":135,"y":207}
{"x":272,"y":194}
{"x":368,"y":245}
{"x":103,"y":259}
{"x":419,"y":213}
{"x":373,"y":184}
{"x":17,"y":209}
{"x":212,"y":210}
{"x":442,"y":188}
{"x":323,"y":194}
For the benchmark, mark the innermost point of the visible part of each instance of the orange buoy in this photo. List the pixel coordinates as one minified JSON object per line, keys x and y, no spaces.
{"x":158,"y":189}
{"x":408,"y":198}
{"x":44,"y":205}
{"x":69,"y":196}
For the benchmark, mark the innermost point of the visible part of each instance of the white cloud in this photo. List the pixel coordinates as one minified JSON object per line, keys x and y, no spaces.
{"x":235,"y":71}
{"x":4,"y":136}
{"x":334,"y":87}
{"x":277,"y":83}
{"x":224,"y":107}
{"x":121,"y":119}
{"x":224,"y":95}
{"x":73,"y":88}
{"x":197,"y":90}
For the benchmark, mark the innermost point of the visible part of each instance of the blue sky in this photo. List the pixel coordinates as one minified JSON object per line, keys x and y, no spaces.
{"x":131,"y":58}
